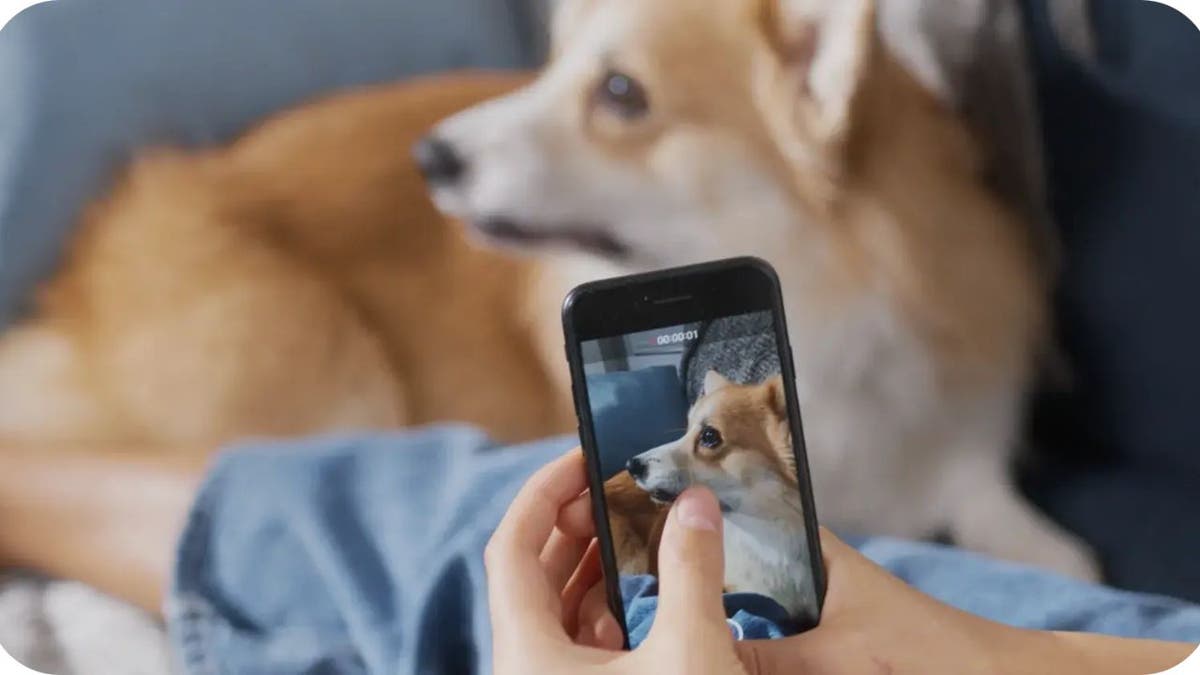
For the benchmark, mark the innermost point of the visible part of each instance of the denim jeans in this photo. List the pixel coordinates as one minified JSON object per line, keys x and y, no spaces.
{"x":364,"y":555}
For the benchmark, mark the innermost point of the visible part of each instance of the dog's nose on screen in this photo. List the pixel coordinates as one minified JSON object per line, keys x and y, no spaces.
{"x":637,"y":467}
{"x":438,"y":161}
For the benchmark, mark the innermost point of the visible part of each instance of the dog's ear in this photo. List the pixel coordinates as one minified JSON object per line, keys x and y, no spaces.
{"x":820,"y":53}
{"x":780,"y":430}
{"x":714,"y":381}
{"x":776,"y":398}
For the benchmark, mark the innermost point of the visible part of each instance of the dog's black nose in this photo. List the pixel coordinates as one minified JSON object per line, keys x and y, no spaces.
{"x":636,"y":467}
{"x":438,"y":161}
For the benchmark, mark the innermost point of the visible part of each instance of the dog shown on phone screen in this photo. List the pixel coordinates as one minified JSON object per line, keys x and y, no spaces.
{"x":738,"y":444}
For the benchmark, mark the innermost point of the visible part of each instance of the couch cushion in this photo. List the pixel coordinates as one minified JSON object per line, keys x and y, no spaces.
{"x":83,"y":83}
{"x":633,"y":411}
{"x":1124,"y":146}
{"x":1123,"y":143}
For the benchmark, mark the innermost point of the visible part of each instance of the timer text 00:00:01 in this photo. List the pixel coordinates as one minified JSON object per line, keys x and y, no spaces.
{"x":676,"y":338}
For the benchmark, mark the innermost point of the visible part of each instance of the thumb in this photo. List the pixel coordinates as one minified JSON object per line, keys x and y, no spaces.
{"x":691,"y":564}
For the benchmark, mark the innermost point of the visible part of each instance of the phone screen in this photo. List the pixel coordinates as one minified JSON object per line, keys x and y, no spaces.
{"x":704,"y":402}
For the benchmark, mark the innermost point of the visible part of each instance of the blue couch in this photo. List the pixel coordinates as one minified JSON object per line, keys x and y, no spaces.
{"x":634,"y":411}
{"x":1119,"y":451}
{"x":83,"y":83}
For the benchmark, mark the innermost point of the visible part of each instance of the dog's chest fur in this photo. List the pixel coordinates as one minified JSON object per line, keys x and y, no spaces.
{"x":873,"y":415}
{"x":764,"y":557}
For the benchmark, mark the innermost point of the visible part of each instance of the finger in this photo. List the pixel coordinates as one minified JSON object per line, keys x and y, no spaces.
{"x":576,"y":519}
{"x":525,"y":529}
{"x":597,"y":627}
{"x":562,"y":556}
{"x":593,"y":605}
{"x":608,"y":633}
{"x":519,"y":590}
{"x":604,"y":633}
{"x":588,"y":575}
{"x":573,"y":534}
{"x":692,"y":563}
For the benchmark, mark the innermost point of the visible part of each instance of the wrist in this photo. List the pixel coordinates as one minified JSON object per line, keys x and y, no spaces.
{"x":1093,"y":654}
{"x":1023,"y":651}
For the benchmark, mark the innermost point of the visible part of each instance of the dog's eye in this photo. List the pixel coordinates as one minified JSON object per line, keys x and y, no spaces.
{"x":710,"y":438}
{"x":622,"y":95}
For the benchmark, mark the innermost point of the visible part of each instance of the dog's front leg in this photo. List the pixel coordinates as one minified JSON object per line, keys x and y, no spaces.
{"x":987,"y":514}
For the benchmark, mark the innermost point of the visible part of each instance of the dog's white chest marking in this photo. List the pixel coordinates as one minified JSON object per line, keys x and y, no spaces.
{"x":769,"y":557}
{"x":871,"y":407}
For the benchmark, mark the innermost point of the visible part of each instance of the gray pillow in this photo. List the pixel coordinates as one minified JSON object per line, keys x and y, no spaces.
{"x":84,"y":83}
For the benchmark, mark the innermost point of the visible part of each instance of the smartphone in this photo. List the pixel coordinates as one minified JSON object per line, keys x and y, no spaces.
{"x":684,"y":377}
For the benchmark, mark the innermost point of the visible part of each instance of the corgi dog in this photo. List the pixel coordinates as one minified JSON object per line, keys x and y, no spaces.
{"x":667,"y":132}
{"x":297,"y":281}
{"x":300,"y":280}
{"x":738,"y":444}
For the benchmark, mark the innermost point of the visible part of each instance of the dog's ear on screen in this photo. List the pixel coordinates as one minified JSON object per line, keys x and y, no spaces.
{"x":779,"y":430}
{"x":818,"y":56}
{"x":714,"y":381}
{"x":776,"y":399}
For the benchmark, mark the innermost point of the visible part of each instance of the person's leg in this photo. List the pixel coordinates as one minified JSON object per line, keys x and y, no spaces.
{"x":345,"y":554}
{"x":366,"y":553}
{"x":107,"y":516}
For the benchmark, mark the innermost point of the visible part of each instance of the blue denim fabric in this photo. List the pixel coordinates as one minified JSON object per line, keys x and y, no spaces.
{"x":364,"y":555}
{"x":750,"y":617}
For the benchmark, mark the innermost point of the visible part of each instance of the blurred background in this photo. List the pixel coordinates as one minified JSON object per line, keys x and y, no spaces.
{"x":1114,"y":443}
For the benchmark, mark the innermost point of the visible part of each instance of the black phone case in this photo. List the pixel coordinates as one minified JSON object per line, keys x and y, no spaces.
{"x":587,"y":436}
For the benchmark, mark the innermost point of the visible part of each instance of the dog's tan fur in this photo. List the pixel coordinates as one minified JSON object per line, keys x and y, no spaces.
{"x":752,"y":420}
{"x":297,"y":281}
{"x":635,"y":522}
{"x":738,"y":444}
{"x":789,"y":130}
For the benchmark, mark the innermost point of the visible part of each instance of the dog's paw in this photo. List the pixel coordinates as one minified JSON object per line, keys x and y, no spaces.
{"x":1054,"y":549}
{"x":1028,"y":537}
{"x":1068,"y":555}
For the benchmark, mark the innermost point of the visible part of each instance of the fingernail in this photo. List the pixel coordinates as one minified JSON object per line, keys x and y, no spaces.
{"x":697,"y":509}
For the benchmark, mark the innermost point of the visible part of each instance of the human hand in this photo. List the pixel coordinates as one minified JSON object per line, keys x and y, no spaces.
{"x":549,"y":612}
{"x":542,"y":565}
{"x":873,"y":622}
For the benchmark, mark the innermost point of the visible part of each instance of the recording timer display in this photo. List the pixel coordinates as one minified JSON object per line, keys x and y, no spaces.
{"x":679,"y":337}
